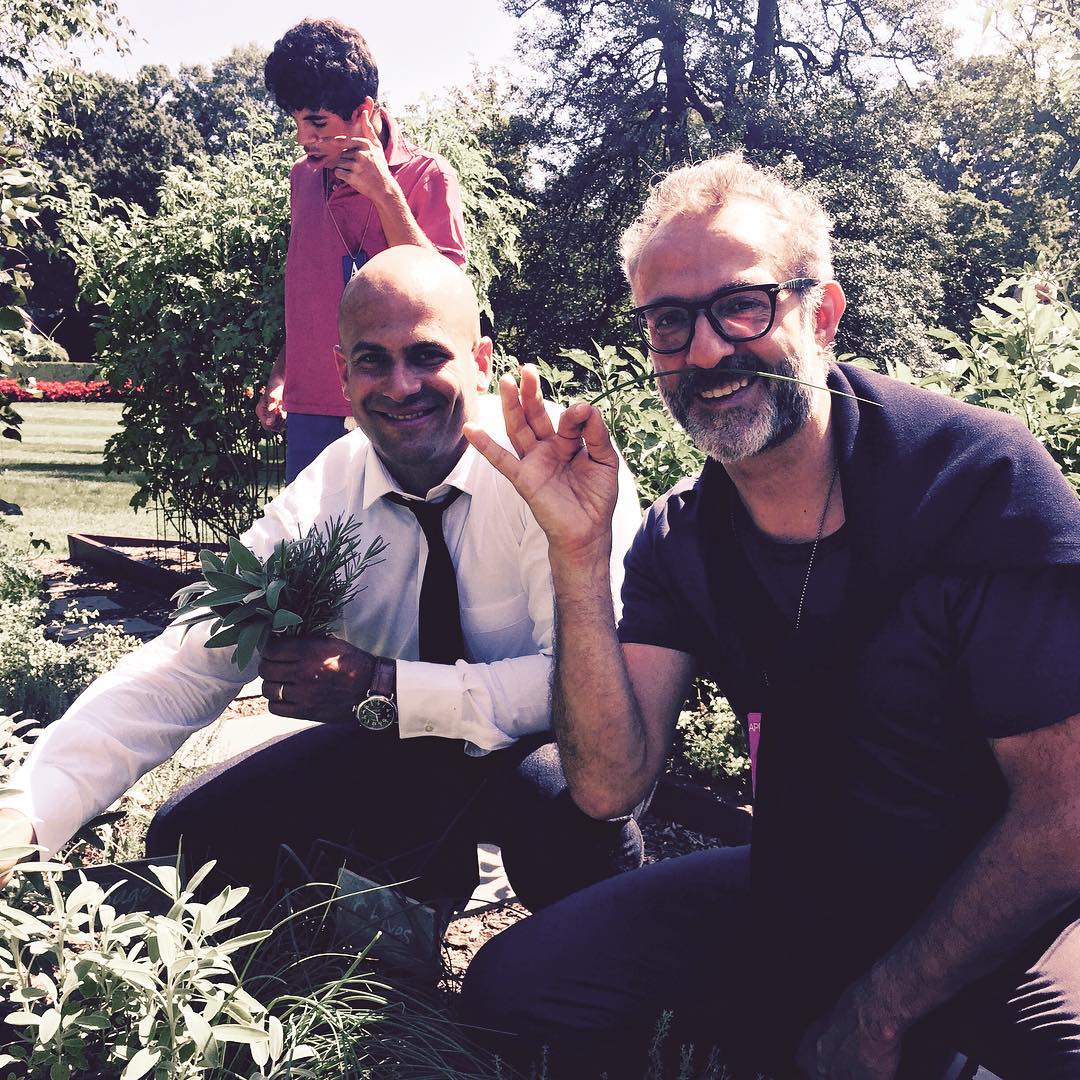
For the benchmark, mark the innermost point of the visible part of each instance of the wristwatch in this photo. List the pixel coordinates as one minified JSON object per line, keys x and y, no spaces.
{"x":378,"y":710}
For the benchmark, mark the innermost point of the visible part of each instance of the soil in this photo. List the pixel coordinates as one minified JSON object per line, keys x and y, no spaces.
{"x":70,"y":581}
{"x":64,"y":579}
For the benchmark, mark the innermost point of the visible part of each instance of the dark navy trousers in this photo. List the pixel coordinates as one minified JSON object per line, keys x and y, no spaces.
{"x":590,"y":976}
{"x":395,"y":809}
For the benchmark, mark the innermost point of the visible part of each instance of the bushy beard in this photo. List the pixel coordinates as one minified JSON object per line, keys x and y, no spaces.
{"x":740,"y":431}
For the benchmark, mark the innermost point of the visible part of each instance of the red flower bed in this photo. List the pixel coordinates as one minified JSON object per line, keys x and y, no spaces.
{"x":72,"y":390}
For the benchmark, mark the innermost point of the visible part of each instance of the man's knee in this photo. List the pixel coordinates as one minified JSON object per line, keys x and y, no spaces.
{"x":551,"y":847}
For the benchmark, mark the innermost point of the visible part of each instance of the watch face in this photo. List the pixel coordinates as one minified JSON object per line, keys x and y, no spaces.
{"x":376,"y":713}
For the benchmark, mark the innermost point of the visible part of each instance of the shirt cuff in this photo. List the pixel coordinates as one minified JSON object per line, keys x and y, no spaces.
{"x":431,"y":701}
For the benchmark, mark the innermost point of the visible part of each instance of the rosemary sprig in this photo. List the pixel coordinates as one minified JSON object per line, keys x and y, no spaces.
{"x":650,"y":376}
{"x":300,"y":589}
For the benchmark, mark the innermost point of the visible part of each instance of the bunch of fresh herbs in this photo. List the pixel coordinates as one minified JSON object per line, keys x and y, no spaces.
{"x":300,"y":590}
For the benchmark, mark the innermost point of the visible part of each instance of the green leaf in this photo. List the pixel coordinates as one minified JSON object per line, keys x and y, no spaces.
{"x":245,"y":559}
{"x":241,"y":613}
{"x":245,"y":644}
{"x":209,"y":560}
{"x":49,"y":1026}
{"x":284,"y":618}
{"x":93,"y":1022}
{"x":221,"y":597}
{"x":242,"y":941}
{"x":273,"y":594}
{"x":221,"y":580}
{"x":143,"y":1061}
{"x":241,"y":1033}
{"x":229,"y":636}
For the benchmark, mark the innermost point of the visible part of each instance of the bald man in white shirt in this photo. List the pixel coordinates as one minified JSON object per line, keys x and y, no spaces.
{"x":413,"y":761}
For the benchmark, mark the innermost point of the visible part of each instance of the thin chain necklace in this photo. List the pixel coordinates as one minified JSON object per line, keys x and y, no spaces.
{"x":333,"y":220}
{"x":813,"y":550}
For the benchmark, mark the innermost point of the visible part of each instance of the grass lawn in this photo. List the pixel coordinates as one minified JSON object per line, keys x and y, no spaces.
{"x":55,"y":474}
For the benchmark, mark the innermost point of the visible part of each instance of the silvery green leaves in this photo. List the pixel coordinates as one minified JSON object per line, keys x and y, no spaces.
{"x":300,"y":589}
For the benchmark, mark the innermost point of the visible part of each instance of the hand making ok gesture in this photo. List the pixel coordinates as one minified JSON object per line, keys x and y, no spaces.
{"x":568,"y":476}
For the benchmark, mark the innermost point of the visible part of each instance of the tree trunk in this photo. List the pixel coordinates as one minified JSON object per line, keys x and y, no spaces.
{"x":761,"y":70}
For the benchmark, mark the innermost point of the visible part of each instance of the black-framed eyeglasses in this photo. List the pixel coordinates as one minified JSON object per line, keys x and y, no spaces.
{"x":738,"y":313}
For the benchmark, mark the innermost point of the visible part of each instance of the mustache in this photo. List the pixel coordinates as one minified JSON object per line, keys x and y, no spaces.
{"x":421,"y":400}
{"x":693,"y":380}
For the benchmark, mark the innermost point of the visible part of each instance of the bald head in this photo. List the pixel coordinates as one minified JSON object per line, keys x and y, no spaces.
{"x":412,"y":361}
{"x":405,"y":277}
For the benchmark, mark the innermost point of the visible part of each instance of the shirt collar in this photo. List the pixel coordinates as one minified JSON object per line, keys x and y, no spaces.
{"x":378,"y":482}
{"x":397,"y":148}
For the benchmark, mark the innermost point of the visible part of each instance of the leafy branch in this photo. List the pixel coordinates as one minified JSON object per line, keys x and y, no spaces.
{"x":300,"y":590}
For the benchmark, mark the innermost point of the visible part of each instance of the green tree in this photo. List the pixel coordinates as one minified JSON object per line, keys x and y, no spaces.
{"x":119,"y":139}
{"x":35,"y":38}
{"x":461,"y":129}
{"x":1006,"y":149}
{"x":626,"y":90}
{"x":33,"y":33}
{"x":215,"y":100}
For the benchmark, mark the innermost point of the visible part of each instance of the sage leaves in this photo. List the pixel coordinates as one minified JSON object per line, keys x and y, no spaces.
{"x":300,"y":590}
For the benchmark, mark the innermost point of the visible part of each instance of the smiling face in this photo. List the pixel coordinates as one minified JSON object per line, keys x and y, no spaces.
{"x":729,"y":415}
{"x":412,"y":362}
{"x":322,"y":134}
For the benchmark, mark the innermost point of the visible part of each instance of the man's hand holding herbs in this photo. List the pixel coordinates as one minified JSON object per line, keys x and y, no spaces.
{"x":315,"y":678}
{"x":296,"y":593}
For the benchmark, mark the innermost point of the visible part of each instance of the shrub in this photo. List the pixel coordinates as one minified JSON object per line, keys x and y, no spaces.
{"x":194,"y":317}
{"x":93,"y":992}
{"x":19,"y":581}
{"x":100,"y":992}
{"x":72,"y":390}
{"x":711,"y":744}
{"x":1023,"y":358}
{"x":40,"y":678}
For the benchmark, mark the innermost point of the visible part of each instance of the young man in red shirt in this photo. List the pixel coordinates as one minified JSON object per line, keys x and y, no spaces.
{"x":359,"y":189}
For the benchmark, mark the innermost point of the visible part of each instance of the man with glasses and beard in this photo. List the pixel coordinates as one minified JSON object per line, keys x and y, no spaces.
{"x":884,"y":584}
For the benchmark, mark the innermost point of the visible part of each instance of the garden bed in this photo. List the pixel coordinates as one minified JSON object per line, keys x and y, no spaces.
{"x":161,"y":565}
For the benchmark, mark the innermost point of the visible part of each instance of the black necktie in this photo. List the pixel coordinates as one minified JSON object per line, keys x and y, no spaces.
{"x":441,"y":639}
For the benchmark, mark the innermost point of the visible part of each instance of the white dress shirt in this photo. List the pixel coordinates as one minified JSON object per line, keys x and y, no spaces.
{"x":139,"y":714}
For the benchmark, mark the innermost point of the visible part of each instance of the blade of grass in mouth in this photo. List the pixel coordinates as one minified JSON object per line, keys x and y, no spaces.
{"x":652,"y":376}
